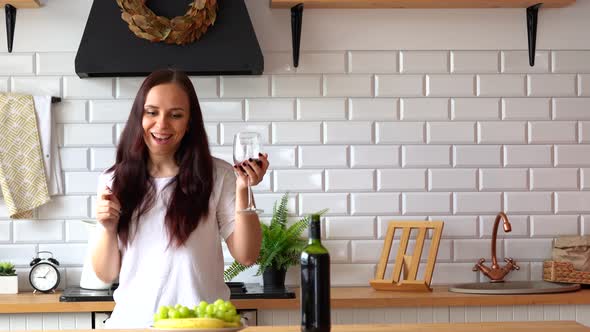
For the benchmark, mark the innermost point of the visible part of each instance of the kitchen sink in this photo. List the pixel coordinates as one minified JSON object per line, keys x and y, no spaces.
{"x":514,"y":287}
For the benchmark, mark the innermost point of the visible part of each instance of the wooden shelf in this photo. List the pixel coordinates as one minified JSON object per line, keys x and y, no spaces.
{"x":21,"y":3}
{"x":419,"y":3}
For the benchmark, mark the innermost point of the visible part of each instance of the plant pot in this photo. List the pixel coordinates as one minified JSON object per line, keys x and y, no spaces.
{"x":8,"y":284}
{"x":274,"y":278}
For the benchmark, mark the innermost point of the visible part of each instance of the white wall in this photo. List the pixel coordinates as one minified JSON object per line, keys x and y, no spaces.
{"x":392,"y":115}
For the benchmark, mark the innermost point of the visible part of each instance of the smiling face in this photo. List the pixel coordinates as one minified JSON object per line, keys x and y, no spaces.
{"x":165,"y":120}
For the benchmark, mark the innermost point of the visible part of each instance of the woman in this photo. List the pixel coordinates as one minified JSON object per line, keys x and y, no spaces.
{"x":165,"y":204}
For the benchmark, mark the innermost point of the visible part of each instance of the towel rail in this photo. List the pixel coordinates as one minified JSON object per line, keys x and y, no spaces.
{"x":53,"y":99}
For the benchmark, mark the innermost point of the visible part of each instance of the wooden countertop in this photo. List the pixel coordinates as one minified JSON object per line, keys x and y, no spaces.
{"x":568,"y":326}
{"x":342,"y":297}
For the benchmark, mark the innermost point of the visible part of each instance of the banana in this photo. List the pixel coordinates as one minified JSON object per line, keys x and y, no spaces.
{"x":228,"y":324}
{"x":190,"y":323}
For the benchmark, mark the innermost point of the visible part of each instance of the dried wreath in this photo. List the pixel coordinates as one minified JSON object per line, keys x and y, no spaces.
{"x":179,"y":30}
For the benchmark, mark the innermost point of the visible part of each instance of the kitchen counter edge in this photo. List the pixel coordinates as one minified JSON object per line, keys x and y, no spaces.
{"x":569,"y":326}
{"x":342,"y":297}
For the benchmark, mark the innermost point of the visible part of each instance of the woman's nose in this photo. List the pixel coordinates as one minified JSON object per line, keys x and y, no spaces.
{"x":162,"y":122}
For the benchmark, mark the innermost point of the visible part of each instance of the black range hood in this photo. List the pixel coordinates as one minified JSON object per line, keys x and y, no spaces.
{"x":109,"y":49}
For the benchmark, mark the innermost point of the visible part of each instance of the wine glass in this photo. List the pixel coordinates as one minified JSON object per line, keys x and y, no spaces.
{"x":247,"y":145}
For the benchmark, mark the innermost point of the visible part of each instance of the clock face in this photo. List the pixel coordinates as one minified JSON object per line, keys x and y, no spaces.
{"x":44,"y":277}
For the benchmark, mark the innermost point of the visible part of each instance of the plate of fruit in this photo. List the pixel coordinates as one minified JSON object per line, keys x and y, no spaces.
{"x":219,"y":316}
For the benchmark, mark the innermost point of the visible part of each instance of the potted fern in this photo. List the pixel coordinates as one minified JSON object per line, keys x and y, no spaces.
{"x":8,"y":278}
{"x":281,"y":247}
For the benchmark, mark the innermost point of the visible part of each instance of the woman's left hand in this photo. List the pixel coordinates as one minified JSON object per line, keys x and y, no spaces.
{"x":252,"y":169}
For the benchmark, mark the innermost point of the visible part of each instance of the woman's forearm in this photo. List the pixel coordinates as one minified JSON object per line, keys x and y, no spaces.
{"x":106,"y":258}
{"x":247,"y":234}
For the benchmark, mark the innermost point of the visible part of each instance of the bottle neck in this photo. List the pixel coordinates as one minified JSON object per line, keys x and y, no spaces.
{"x":315,"y":233}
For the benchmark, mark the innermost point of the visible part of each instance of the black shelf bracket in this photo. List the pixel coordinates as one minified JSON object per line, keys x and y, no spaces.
{"x":532,"y":13}
{"x":296,"y":22}
{"x":10,"y":22}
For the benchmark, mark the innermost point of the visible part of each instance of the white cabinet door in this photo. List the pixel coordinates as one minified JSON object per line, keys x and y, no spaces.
{"x":99,"y":319}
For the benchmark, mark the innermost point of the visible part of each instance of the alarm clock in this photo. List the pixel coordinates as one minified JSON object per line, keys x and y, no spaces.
{"x":44,"y":276}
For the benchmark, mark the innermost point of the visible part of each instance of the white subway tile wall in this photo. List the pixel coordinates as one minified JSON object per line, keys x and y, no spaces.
{"x":4,"y":83}
{"x":450,"y":85}
{"x":475,"y":109}
{"x":474,"y":62}
{"x":583,"y":85}
{"x":526,"y":109}
{"x":547,"y":85}
{"x":584,"y":131}
{"x":311,"y":62}
{"x":348,"y":85}
{"x":506,"y":85}
{"x":310,"y":109}
{"x":373,"y":62}
{"x":518,"y":62}
{"x":5,"y":231}
{"x":570,"y":61}
{"x":206,"y":87}
{"x":399,"y":85}
{"x":20,"y":64}
{"x":49,"y":85}
{"x":373,"y":135}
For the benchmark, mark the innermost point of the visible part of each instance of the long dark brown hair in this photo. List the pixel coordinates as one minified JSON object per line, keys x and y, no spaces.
{"x":192,"y":186}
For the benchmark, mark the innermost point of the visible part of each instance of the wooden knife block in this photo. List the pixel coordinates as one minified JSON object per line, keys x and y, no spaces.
{"x":409,"y":264}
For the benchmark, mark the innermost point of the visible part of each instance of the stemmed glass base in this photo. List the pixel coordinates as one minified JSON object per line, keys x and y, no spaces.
{"x":251,"y":206}
{"x":251,"y":210}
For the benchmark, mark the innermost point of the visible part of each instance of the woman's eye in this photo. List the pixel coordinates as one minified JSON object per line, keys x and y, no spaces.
{"x":150,"y":113}
{"x":177,"y":116}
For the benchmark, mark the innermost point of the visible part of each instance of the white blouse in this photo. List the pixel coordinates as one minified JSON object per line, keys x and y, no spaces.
{"x":153,"y":275}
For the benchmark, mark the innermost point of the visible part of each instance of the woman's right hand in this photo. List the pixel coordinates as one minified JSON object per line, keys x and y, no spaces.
{"x":108,"y":210}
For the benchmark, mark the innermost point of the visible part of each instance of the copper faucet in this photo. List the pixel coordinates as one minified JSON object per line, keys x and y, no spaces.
{"x":497,"y":273}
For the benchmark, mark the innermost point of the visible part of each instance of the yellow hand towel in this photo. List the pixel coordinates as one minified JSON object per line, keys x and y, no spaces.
{"x":22,"y":176}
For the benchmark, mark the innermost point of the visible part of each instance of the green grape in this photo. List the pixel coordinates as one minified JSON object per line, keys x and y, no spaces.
{"x":163,"y":312}
{"x":173,"y":314}
{"x":184,"y":312}
{"x":228,"y":316}
{"x":192,"y":313}
{"x":220,"y":309}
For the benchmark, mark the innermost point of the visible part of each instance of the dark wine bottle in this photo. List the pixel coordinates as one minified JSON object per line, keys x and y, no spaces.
{"x":315,"y":282}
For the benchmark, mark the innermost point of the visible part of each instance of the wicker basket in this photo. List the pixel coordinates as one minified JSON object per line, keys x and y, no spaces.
{"x":564,"y":272}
